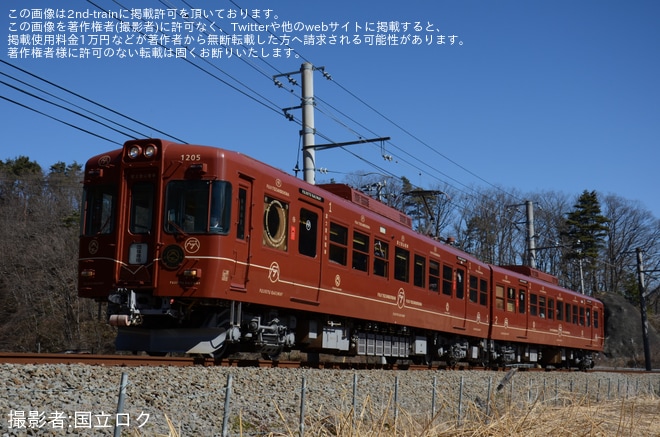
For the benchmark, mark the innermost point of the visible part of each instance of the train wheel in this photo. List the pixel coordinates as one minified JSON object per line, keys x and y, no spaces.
{"x":271,"y":357}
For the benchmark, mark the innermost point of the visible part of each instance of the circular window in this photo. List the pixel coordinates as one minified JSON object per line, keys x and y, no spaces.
{"x":275,"y":224}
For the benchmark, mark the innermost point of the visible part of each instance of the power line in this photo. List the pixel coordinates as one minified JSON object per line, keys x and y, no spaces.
{"x":91,"y":101}
{"x":59,"y":120}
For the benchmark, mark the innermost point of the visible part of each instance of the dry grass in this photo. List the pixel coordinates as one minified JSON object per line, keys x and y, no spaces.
{"x":623,"y":417}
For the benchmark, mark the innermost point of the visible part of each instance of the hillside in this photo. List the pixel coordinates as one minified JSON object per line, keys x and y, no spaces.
{"x":623,"y":334}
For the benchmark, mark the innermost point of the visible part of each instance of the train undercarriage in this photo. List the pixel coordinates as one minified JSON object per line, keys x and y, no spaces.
{"x":217,"y":328}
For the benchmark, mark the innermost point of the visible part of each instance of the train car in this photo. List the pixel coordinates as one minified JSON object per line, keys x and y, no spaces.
{"x":534,"y":320}
{"x":199,"y":250}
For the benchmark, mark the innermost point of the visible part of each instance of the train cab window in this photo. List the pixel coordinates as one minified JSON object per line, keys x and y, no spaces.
{"x":338,"y":244}
{"x":522,"y":304}
{"x":511,"y":299}
{"x":434,"y":276}
{"x":473,"y":294}
{"x":307,"y":232}
{"x":447,"y":280}
{"x":542,"y":307}
{"x":276,"y":219}
{"x":499,"y":297}
{"x":533,"y":304}
{"x":401,"y":264}
{"x":142,"y":207}
{"x":588,"y":318}
{"x":187,"y":206}
{"x":575,"y":314}
{"x":483,"y":292}
{"x":381,"y":261}
{"x":551,"y":309}
{"x":568,"y":313}
{"x":419,"y":271}
{"x":220,"y":208}
{"x":595,"y":319}
{"x":99,"y":210}
{"x":560,"y":311}
{"x":581,"y":316}
{"x":360,"y":251}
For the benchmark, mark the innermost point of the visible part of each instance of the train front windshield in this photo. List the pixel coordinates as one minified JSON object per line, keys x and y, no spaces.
{"x":198,"y":206}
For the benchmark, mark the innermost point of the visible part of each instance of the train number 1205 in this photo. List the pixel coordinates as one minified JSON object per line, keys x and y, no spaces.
{"x":191,"y":157}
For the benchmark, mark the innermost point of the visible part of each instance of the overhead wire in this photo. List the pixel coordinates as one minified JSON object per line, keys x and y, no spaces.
{"x":251,"y":93}
{"x":389,"y":120}
{"x":58,"y":120}
{"x":62,"y":107}
{"x":68,"y":102}
{"x":89,"y":100}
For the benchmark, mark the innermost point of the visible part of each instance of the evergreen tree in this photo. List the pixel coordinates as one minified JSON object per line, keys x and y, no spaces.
{"x":586,"y":229}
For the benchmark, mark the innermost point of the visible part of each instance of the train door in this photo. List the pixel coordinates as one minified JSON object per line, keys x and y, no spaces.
{"x":521,"y":307}
{"x":242,"y":219}
{"x":460,"y":282}
{"x":305,"y":240}
{"x":137,"y":251}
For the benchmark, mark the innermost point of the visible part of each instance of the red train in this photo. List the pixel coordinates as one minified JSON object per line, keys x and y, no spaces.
{"x":198,"y":249}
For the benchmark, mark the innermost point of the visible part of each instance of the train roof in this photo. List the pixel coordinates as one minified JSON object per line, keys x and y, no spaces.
{"x":533,"y":273}
{"x":359,"y":198}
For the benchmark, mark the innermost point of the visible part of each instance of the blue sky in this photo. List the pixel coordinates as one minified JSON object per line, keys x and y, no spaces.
{"x":535,"y":96}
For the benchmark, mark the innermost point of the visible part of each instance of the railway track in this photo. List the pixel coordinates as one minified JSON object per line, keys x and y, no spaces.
{"x":152,"y":361}
{"x":144,"y":360}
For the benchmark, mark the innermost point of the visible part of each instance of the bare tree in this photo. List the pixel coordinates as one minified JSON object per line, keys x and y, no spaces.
{"x":630,"y":227}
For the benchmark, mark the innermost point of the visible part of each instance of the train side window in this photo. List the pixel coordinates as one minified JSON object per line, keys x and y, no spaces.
{"x":242,"y":212}
{"x":483,"y":292}
{"x":460,"y":283}
{"x":338,"y":244}
{"x":511,"y":299}
{"x":499,"y":297}
{"x":447,"y":280}
{"x":595,"y":319}
{"x":401,"y":264}
{"x":308,"y":232}
{"x":542,"y":307}
{"x":474,"y":289}
{"x":575,"y":314}
{"x":434,"y":275}
{"x":276,"y":219}
{"x":560,"y":311}
{"x":360,"y":251}
{"x":533,"y":304}
{"x":419,"y":272}
{"x":568,"y":313}
{"x":551,"y":309}
{"x":522,"y":305}
{"x":381,"y":261}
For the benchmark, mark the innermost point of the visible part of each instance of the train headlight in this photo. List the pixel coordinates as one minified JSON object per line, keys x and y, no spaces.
{"x":134,"y":152}
{"x":150,"y":151}
{"x":87,"y":273}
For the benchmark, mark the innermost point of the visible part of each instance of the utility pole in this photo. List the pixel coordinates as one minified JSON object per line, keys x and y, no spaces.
{"x":308,"y":130}
{"x":642,"y":305}
{"x":530,"y":255}
{"x":531,"y":245}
